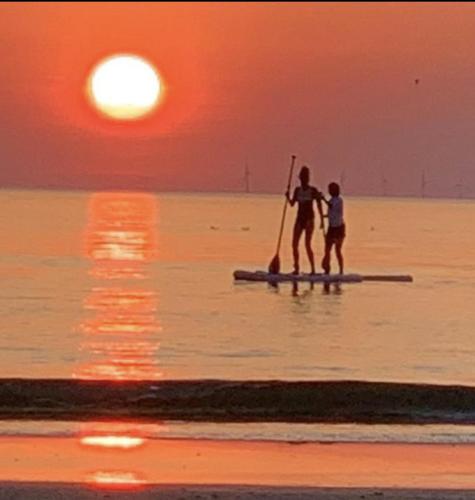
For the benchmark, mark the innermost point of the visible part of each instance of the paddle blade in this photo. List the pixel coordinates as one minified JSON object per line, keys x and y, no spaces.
{"x":274,"y":266}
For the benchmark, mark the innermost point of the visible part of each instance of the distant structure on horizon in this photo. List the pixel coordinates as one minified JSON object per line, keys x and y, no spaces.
{"x":342,"y":180}
{"x":423,"y":184}
{"x":247,"y":179}
{"x":384,"y":184}
{"x":461,"y":188}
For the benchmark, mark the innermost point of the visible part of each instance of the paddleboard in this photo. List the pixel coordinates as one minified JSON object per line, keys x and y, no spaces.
{"x":264,"y":276}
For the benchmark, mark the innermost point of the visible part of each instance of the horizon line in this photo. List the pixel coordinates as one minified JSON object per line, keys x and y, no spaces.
{"x":222,"y":192}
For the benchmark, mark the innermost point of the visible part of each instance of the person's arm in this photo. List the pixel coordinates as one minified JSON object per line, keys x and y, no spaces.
{"x":322,"y":198}
{"x":319,"y":197}
{"x":293,"y":199}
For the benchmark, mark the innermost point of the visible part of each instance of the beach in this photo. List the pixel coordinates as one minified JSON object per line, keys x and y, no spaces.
{"x":109,"y":464}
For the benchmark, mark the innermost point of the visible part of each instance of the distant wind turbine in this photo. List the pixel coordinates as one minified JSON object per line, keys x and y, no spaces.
{"x":247,"y":176}
{"x":460,"y":187}
{"x":342,"y":180}
{"x":384,"y":183}
{"x":423,"y":184}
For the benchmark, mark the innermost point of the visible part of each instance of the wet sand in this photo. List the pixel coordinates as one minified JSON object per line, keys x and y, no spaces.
{"x":129,"y":462}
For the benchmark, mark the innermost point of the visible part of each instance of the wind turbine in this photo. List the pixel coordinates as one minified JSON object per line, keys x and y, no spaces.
{"x":342,"y":180}
{"x":423,"y":184}
{"x":460,"y":187}
{"x":384,"y":183}
{"x":247,"y":176}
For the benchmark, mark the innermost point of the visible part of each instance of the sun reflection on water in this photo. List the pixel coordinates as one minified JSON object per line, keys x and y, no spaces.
{"x":121,"y":236}
{"x":120,"y":325}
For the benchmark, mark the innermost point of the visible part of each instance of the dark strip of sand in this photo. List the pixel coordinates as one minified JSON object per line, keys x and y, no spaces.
{"x":60,"y":491}
{"x":237,"y":401}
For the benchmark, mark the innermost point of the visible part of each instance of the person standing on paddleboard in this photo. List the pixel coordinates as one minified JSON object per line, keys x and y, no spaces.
{"x":336,"y":227}
{"x":305,"y":195}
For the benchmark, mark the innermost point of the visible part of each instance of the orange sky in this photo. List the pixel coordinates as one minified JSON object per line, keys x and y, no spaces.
{"x":332,"y":83}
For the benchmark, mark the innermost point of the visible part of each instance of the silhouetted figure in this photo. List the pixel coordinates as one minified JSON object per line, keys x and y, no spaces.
{"x":336,"y":231}
{"x":305,"y":195}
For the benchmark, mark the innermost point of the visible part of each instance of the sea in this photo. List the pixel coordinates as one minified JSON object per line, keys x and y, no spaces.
{"x":132,"y":286}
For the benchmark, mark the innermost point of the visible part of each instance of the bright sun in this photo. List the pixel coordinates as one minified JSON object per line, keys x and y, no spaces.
{"x":124,"y":87}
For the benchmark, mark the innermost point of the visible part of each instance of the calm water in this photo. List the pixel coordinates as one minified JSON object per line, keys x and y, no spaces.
{"x":130,"y":285}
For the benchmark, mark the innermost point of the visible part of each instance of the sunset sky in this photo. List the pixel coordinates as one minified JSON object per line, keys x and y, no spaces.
{"x":332,"y":83}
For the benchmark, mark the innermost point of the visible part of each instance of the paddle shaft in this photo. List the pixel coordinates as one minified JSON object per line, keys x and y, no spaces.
{"x":279,"y":241}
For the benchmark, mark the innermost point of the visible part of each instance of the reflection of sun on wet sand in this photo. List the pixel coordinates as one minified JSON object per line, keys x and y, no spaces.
{"x":253,"y":465}
{"x":115,"y":479}
{"x":118,"y":340}
{"x":124,"y":442}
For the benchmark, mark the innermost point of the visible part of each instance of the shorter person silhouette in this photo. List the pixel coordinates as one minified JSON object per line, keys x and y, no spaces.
{"x":336,"y":231}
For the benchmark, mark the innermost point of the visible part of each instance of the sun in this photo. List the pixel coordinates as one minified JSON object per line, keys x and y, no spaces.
{"x":124,"y":87}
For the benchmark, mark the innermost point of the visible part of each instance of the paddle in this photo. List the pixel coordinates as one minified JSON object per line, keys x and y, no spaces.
{"x":325,"y":260}
{"x":274,"y":266}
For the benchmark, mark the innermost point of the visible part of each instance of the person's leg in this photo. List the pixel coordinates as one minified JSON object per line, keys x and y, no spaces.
{"x":327,"y":257}
{"x":298,"y":229}
{"x":339,"y":255}
{"x":308,"y":244}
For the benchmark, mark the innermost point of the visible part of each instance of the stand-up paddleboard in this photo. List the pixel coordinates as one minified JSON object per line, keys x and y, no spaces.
{"x":316,"y":278}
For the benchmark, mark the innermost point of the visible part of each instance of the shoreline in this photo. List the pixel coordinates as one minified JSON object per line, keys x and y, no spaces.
{"x":286,"y":433}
